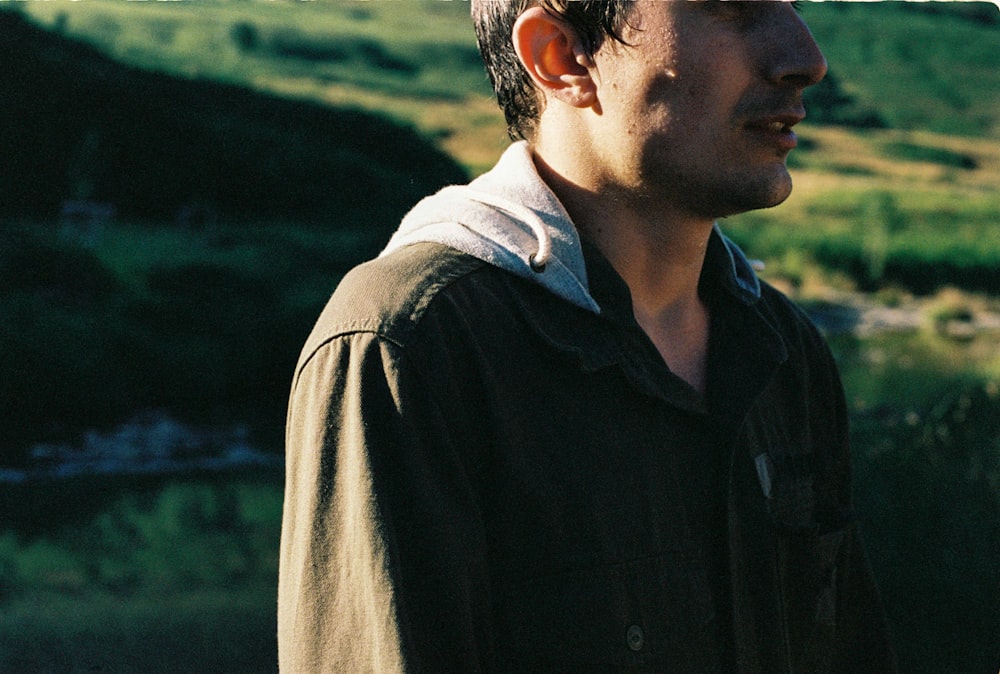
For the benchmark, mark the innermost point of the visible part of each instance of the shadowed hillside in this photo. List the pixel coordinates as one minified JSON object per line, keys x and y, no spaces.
{"x":81,"y":126}
{"x":148,"y":314}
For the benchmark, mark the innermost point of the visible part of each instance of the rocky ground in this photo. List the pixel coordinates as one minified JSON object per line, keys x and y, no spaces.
{"x":949,"y":313}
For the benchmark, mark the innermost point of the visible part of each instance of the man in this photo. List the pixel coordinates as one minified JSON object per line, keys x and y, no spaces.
{"x":559,"y":424}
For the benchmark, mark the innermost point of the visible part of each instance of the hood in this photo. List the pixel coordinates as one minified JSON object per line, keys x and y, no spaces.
{"x":509,"y":218}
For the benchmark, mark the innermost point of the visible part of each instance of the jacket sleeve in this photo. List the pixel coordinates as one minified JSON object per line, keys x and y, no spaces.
{"x":382,"y":566}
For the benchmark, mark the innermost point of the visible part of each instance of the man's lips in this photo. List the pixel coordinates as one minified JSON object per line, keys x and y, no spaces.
{"x":777,"y":120}
{"x":777,"y":129}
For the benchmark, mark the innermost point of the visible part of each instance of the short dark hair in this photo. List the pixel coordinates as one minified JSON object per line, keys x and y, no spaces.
{"x":593,"y":20}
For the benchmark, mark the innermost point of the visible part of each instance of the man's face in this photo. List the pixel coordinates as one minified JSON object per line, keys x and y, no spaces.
{"x":696,"y":112}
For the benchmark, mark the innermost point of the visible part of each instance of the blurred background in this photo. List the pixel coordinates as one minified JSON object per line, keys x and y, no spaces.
{"x":182,"y":185}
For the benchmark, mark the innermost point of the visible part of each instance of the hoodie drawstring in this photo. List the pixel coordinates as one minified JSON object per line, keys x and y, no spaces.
{"x":538,"y":259}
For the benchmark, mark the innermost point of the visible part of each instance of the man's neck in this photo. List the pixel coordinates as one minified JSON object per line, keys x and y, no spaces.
{"x":663,"y":274}
{"x":659,"y":253}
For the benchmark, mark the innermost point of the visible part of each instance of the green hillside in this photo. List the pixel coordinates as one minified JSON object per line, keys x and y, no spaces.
{"x":929,"y":66}
{"x":916,"y":86}
{"x":168,"y":241}
{"x":920,"y":66}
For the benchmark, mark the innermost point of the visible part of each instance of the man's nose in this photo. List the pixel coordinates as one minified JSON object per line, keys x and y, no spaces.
{"x":793,"y":58}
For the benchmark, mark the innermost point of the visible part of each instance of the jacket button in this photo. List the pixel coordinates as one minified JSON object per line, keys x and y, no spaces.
{"x":635,"y":638}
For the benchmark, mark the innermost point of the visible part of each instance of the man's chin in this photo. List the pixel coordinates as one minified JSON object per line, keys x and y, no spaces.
{"x":761,"y":196}
{"x":776,"y":190}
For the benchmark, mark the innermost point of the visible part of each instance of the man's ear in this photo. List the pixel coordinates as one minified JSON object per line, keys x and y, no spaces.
{"x":553,"y":54}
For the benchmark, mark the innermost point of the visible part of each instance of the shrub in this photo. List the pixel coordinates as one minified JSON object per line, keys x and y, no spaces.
{"x":245,"y":35}
{"x":37,"y":261}
{"x":952,"y":315}
{"x":60,"y":340}
{"x":931,"y":492}
{"x":295,"y":45}
{"x":929,"y":154}
{"x":164,"y":536}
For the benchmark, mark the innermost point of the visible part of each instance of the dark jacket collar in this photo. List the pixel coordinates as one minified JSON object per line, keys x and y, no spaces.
{"x":613,"y":338}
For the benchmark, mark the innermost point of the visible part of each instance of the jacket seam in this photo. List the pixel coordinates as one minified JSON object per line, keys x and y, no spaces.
{"x":396,"y":329}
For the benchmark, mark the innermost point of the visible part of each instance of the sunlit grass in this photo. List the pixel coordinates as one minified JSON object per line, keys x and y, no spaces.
{"x":151,"y":577}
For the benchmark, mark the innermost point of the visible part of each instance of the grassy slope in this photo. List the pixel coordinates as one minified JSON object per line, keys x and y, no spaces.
{"x":333,"y":53}
{"x":886,"y":55}
{"x":922,"y":66}
{"x":879,"y":219}
{"x":930,"y":72}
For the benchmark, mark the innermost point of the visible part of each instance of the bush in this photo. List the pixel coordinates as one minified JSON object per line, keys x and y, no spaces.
{"x":207,"y":331}
{"x":38,"y":261}
{"x":215,"y":339}
{"x":60,"y":340}
{"x":245,"y":35}
{"x":293,"y":44}
{"x":929,"y":154}
{"x":929,"y":480}
{"x":106,"y":535}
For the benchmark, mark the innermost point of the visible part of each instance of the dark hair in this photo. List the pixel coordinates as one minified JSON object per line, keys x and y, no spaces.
{"x":593,"y":20}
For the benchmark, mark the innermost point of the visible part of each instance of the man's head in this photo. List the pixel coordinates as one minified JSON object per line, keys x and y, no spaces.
{"x":687,"y":107}
{"x":594,"y":20}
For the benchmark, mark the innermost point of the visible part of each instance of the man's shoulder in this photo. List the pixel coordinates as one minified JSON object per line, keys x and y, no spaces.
{"x":387,"y":296}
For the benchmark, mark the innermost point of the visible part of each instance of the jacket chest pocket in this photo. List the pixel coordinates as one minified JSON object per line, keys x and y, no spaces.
{"x":633,"y":616}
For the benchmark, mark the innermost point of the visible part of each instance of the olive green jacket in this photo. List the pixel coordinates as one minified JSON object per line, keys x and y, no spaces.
{"x":482,"y":476}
